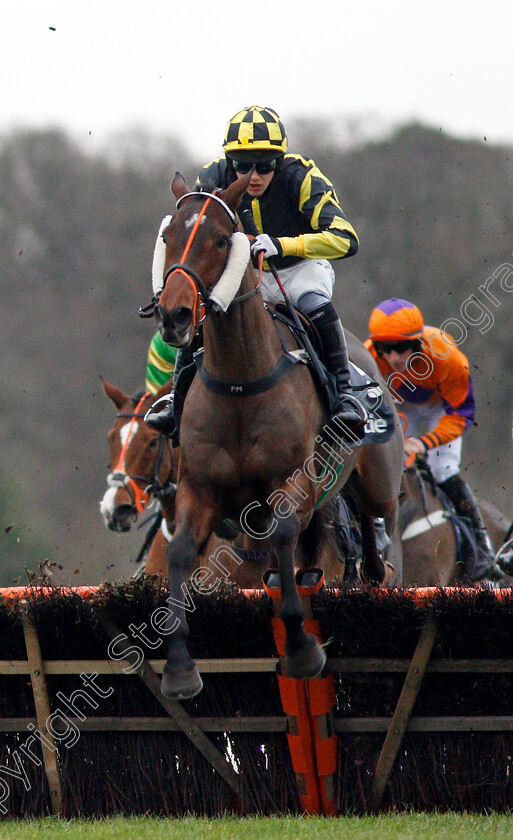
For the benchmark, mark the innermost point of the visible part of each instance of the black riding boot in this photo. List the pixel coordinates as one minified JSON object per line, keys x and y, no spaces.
{"x":161,"y":416}
{"x":465,"y":505}
{"x":333,"y":340}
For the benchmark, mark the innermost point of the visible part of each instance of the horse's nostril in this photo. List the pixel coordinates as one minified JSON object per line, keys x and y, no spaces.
{"x":182,"y":317}
{"x":123,"y":518}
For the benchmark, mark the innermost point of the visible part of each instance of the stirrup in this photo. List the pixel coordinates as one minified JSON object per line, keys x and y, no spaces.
{"x":356,"y":425}
{"x":162,"y":420}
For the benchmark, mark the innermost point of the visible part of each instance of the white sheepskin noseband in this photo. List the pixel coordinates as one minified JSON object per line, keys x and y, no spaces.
{"x":159,"y":259}
{"x":228,"y":284}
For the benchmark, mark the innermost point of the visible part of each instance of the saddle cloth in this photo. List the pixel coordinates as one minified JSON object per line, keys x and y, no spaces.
{"x":380,"y":424}
{"x":381,"y":420}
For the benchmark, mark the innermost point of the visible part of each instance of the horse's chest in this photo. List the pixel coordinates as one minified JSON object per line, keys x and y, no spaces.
{"x":243,"y":463}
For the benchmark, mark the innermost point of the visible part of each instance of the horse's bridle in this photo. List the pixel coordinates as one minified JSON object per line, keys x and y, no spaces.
{"x":202,"y":303}
{"x":119,"y":477}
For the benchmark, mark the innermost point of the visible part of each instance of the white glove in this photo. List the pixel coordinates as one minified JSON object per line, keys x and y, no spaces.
{"x":264,"y":243}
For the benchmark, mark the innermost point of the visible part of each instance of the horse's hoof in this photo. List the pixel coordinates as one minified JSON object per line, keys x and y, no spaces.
{"x":307,"y":663}
{"x":374,"y":577}
{"x":181,"y":685}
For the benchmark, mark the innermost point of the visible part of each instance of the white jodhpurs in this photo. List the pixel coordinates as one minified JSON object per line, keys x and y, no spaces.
{"x":305,"y":276}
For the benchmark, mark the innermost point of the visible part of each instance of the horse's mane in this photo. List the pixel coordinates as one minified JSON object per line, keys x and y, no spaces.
{"x":407,"y":513}
{"x":408,"y":508}
{"x":206,"y":187}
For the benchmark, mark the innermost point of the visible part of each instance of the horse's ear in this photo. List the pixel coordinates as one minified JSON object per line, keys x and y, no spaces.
{"x":233,"y":194}
{"x":179,"y":186}
{"x":116,"y":395}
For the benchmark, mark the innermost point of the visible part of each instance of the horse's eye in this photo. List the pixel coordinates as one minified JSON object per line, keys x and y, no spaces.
{"x":152,"y":444}
{"x":222,"y":242}
{"x":163,"y":238}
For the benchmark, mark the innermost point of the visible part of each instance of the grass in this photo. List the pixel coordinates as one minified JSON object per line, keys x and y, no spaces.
{"x":447,"y":826}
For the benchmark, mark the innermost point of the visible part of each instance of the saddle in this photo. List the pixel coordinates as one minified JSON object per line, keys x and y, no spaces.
{"x":380,"y":422}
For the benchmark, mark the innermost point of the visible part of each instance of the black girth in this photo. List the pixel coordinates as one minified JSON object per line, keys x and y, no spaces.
{"x":255,"y":386}
{"x":246,"y":389}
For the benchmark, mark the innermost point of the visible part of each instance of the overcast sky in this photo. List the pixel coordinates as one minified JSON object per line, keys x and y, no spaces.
{"x":183,"y":68}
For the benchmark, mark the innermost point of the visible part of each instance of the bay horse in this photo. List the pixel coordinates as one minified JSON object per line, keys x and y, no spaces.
{"x":252,"y":437}
{"x":430,"y":550}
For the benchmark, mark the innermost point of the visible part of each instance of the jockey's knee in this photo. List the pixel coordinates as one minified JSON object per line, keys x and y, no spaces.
{"x":310,"y":301}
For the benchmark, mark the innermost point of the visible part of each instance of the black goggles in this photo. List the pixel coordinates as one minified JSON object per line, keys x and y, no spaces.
{"x":263,"y":167}
{"x":394,"y":346}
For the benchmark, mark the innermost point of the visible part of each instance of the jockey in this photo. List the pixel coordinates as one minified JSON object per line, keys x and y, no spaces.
{"x":429,"y":376}
{"x":160,"y":365}
{"x":300,"y":227}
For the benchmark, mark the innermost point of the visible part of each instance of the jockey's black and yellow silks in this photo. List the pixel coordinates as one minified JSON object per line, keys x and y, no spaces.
{"x":300,"y":208}
{"x":160,"y":364}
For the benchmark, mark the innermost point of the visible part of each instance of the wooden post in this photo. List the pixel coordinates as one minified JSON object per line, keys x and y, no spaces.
{"x":403,"y":710}
{"x":42,"y":704}
{"x":175,"y":709}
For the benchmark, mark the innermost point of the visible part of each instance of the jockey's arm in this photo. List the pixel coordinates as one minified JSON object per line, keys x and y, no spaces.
{"x":456,"y":390}
{"x":332,"y":235}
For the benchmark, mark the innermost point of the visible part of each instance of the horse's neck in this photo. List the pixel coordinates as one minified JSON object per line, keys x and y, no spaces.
{"x":421,"y":492}
{"x":242,"y":344}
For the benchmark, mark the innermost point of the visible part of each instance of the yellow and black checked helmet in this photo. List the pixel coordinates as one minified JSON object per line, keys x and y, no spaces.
{"x":255,"y":129}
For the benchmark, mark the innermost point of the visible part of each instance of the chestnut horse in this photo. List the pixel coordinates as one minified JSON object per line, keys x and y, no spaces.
{"x":427,"y":534}
{"x":250,"y":447}
{"x":142,"y":470}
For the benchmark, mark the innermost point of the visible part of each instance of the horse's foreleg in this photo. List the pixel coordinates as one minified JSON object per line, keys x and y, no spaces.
{"x":376,"y":485}
{"x":305,"y":657}
{"x":181,"y":679}
{"x":394,"y":558}
{"x":373,"y":568}
{"x":156,"y":560}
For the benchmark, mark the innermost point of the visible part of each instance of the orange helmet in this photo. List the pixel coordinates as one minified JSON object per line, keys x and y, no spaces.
{"x":395,"y":320}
